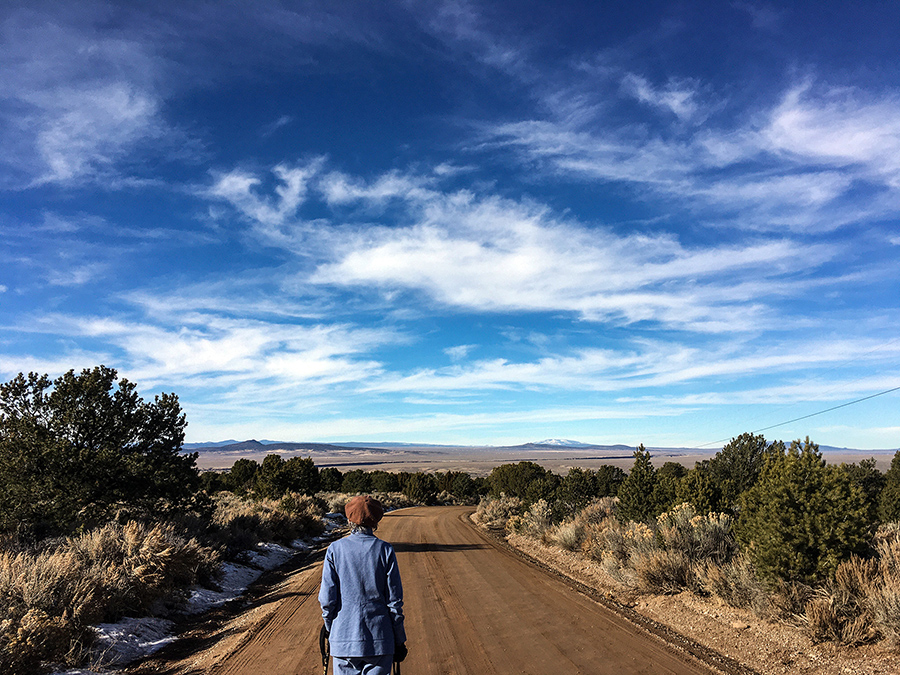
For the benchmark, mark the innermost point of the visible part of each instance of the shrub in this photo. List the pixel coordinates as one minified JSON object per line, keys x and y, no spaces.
{"x":839,"y":612}
{"x":242,"y":523}
{"x":663,"y":571}
{"x":735,"y":583}
{"x":495,"y":513}
{"x":568,"y":535}
{"x":49,"y":598}
{"x":700,"y":538}
{"x":883,"y":596}
{"x":598,"y":511}
{"x":667,"y":557}
{"x":535,"y":522}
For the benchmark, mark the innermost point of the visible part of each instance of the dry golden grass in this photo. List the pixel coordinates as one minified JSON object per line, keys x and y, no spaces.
{"x":49,"y":598}
{"x":241,"y":523}
{"x":496,"y":513}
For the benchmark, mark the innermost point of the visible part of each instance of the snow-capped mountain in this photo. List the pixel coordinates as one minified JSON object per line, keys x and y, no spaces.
{"x":563,"y":443}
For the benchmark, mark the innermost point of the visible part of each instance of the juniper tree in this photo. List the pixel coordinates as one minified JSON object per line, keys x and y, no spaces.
{"x":636,"y":491}
{"x":331,"y":479}
{"x":870,"y":480}
{"x":802,"y":518}
{"x":665,"y":492}
{"x":736,"y":467}
{"x":578,"y":488}
{"x":241,"y":476}
{"x":526,"y":480}
{"x":889,"y":499}
{"x":698,"y":489}
{"x":608,"y":479}
{"x":420,"y":487}
{"x":74,"y":449}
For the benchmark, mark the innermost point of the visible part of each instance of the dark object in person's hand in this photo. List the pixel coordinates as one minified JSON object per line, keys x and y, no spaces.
{"x":400,"y":652}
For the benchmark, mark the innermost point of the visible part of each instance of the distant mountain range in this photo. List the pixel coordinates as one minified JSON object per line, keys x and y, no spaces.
{"x":563,"y":443}
{"x":549,"y":443}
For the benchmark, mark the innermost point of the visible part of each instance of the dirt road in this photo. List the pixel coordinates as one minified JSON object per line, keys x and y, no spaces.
{"x":471,"y":605}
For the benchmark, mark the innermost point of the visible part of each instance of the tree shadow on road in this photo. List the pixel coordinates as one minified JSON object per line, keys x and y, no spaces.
{"x":421,"y":547}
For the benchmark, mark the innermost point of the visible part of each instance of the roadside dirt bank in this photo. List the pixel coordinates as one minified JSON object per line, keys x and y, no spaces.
{"x":767,"y":648}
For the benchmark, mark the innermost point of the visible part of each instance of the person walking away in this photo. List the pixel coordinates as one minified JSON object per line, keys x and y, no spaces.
{"x":362,"y":597}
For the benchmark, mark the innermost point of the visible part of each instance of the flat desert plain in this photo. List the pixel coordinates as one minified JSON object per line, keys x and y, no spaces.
{"x":478,"y":461}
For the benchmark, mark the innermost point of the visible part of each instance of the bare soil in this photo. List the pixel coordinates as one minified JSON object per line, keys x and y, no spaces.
{"x":765,"y":647}
{"x":473,"y":605}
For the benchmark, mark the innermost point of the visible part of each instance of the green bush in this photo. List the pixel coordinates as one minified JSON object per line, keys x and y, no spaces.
{"x":636,"y":493}
{"x":802,"y":518}
{"x":72,"y":449}
{"x":889,"y":498}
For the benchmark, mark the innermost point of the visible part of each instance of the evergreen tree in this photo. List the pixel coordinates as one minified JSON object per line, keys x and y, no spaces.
{"x":242,"y":475}
{"x":463,"y":487}
{"x":636,"y":492}
{"x":356,"y":481}
{"x":212,"y":482}
{"x":383,"y":481}
{"x":331,"y":479}
{"x":699,"y":490}
{"x":271,"y":480}
{"x":889,"y":499}
{"x":420,"y":487}
{"x":608,"y":479}
{"x":737,"y":466}
{"x":577,"y":488}
{"x":668,"y":477}
{"x":72,"y":449}
{"x":302,"y":475}
{"x":526,"y":480}
{"x":802,"y":518}
{"x":870,"y":480}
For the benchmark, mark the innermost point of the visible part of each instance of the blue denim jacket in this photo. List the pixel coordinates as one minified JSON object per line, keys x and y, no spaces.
{"x":362,"y":597}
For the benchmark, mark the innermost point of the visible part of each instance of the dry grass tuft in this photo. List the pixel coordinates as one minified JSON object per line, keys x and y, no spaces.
{"x":241,"y":523}
{"x":494,"y":514}
{"x":735,"y":583}
{"x":48,"y":599}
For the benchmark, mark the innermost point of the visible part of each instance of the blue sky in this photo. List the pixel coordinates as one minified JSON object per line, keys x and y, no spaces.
{"x":461,"y":222}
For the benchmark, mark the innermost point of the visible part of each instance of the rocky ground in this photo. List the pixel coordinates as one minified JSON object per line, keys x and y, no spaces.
{"x":767,"y":648}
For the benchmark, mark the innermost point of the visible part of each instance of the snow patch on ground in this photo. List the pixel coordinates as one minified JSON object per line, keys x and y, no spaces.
{"x":130,"y":639}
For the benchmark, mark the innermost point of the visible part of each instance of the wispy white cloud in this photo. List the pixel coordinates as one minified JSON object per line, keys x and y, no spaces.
{"x":654,"y":365}
{"x":459,"y":352}
{"x":253,"y":359}
{"x":796,"y":162}
{"x":839,"y":127}
{"x":676,"y":97}
{"x":490,"y":254}
{"x":75,"y":101}
{"x":239,"y":189}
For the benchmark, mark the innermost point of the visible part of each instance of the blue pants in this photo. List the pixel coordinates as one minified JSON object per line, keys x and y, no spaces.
{"x":363,"y":665}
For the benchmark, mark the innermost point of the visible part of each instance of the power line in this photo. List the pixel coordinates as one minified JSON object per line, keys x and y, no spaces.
{"x":842,"y":364}
{"x":821,"y":412}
